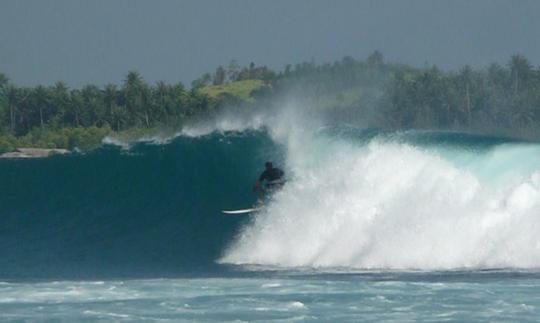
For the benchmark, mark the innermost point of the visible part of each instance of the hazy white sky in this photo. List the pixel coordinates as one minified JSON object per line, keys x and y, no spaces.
{"x":98,"y":41}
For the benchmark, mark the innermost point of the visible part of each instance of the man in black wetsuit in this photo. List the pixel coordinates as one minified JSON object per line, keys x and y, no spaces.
{"x":273,"y":177}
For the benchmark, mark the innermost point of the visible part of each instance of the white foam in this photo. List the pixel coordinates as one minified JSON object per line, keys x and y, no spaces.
{"x":392,"y":205}
{"x":297,"y":305}
{"x":226,"y":123}
{"x":116,"y":142}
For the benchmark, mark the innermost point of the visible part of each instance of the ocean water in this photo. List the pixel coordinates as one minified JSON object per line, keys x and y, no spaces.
{"x":469,"y":296}
{"x":371,"y":226}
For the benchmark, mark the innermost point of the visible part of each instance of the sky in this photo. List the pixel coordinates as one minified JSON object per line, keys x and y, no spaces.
{"x":97,"y":42}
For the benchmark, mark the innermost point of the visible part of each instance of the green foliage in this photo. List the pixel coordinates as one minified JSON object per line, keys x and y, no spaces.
{"x":396,"y":96}
{"x":219,"y":76}
{"x":7,"y":143}
{"x":494,"y":100}
{"x":66,"y":138}
{"x":239,"y":89}
{"x":56,"y":116}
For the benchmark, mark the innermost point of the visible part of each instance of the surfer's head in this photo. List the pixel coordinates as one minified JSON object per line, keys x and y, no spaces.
{"x":268,"y":165}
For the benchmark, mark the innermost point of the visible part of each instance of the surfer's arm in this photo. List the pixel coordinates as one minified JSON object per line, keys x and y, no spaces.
{"x":258,"y":183}
{"x":257,"y":186}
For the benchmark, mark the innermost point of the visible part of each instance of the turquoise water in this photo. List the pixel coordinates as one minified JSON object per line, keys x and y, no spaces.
{"x":371,"y":226}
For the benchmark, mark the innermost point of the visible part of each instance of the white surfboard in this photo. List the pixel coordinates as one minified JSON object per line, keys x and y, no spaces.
{"x":243,"y":211}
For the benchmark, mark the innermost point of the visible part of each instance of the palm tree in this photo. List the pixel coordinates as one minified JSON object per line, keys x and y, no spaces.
{"x":522,"y":118}
{"x":162,"y":100}
{"x":25,"y":106}
{"x":133,"y":92}
{"x":75,"y":105}
{"x":219,"y":76}
{"x":520,"y":70}
{"x":60,"y":102}
{"x":466,"y":79}
{"x":42,"y":101}
{"x":4,"y":80}
{"x":12,"y":95}
{"x":180,"y":99}
{"x":146,"y":97}
{"x":93,"y":107}
{"x":110,"y":96}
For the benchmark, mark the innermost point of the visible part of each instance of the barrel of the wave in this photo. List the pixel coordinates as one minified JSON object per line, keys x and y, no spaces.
{"x":116,"y":211}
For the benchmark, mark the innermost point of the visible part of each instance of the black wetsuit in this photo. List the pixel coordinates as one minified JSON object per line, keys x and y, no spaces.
{"x":273,"y":178}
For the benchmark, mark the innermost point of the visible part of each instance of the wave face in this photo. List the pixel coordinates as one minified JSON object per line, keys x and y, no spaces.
{"x":355,"y":199}
{"x":153,"y":210}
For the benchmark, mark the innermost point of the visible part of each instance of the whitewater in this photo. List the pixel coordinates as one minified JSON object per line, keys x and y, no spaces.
{"x":397,"y":205}
{"x":371,"y":225}
{"x":411,"y":200}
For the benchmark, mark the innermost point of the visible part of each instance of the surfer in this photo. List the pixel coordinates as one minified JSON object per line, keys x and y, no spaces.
{"x":271,"y":180}
{"x":272,"y":177}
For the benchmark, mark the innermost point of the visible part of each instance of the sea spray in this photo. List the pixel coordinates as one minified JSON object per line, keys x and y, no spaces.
{"x":398,"y":204}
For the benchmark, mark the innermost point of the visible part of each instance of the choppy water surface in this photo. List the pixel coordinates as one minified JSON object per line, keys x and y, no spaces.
{"x":400,"y":297}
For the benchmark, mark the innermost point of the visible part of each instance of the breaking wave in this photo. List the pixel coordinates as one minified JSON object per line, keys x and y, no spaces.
{"x":355,"y":199}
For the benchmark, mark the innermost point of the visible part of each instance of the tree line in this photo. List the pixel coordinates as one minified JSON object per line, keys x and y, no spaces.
{"x":497,"y":99}
{"x":134,"y":104}
{"x":500,"y":99}
{"x":397,"y":96}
